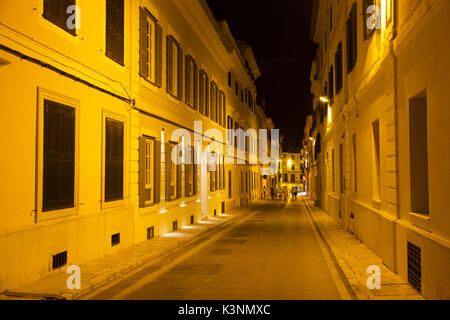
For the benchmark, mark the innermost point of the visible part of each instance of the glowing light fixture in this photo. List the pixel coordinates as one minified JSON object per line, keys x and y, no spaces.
{"x":324,"y":99}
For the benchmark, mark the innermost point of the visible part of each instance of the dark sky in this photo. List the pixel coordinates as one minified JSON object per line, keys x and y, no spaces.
{"x":278,"y":31}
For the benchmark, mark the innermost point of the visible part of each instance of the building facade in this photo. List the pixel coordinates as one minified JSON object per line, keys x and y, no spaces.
{"x":102,"y":94}
{"x":291,"y":171}
{"x":379,"y":81}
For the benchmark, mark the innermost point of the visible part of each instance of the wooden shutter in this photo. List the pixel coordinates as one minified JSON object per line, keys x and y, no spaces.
{"x":187,"y":81}
{"x":206,"y":95}
{"x":115,"y":30}
{"x":59,"y":156}
{"x":194,"y":167}
{"x":354,"y":34}
{"x":168,"y":171}
{"x":55,"y":11}
{"x":195,"y":84}
{"x":187,"y":168}
{"x":143,"y":43}
{"x":142,"y":194}
{"x":180,"y":72}
{"x":224,"y":108}
{"x":157,"y":173}
{"x":179,"y":180}
{"x":158,"y":55}
{"x":169,"y":69}
{"x":114,"y":160}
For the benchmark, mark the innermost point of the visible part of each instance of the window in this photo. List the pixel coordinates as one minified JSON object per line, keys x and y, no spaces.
{"x":229,"y":79}
{"x":55,"y":11}
{"x":341,"y":169}
{"x":352,"y":43}
{"x":213,"y":101}
{"x":338,"y":65}
{"x":115,"y":30}
{"x":174,"y":68}
{"x":236,"y":135}
{"x":376,"y":161}
{"x":236,"y":89}
{"x":230,"y":189}
{"x":331,"y":83}
{"x":59,"y":156}
{"x":418,"y":154}
{"x":173,"y":175}
{"x":355,"y":167}
{"x":190,"y":173}
{"x":150,"y":48}
{"x":114,"y":145}
{"x":293,"y":167}
{"x":203,"y":94}
{"x":191,"y":90}
{"x":333,"y":177}
{"x":149,"y":171}
{"x":293,"y":178}
{"x":222,"y":108}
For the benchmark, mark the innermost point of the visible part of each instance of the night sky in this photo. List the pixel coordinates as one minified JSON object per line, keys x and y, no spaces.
{"x":278,"y":31}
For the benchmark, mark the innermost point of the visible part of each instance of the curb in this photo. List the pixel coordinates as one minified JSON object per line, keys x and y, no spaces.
{"x":339,"y":263}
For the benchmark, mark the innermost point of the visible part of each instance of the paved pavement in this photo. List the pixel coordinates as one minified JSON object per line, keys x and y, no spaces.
{"x":353,"y":259}
{"x":272,"y":254}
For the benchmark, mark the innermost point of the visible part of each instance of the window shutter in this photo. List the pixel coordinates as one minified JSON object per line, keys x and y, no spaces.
{"x":188,"y":81}
{"x":114,"y":160}
{"x":206,"y":95}
{"x":115,"y":30}
{"x":195,"y":84}
{"x":169,"y":69}
{"x":194,"y":167}
{"x":158,"y":55}
{"x":157,"y":173}
{"x":59,"y":156}
{"x":224,"y":108}
{"x":180,"y":73}
{"x":143,"y":45}
{"x":179,"y":180}
{"x":354,"y":34}
{"x":187,"y":168}
{"x":142,"y":194}
{"x":349,"y":47}
{"x":168,"y":171}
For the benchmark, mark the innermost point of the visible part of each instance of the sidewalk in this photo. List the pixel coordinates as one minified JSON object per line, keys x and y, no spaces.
{"x":99,"y":272}
{"x":353,"y":258}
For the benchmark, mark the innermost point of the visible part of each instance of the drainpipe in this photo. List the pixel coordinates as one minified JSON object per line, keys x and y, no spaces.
{"x":395,"y":75}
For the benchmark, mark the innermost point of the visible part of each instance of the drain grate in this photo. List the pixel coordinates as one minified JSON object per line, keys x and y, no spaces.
{"x":415,"y":266}
{"x":115,"y":239}
{"x":59,"y":260}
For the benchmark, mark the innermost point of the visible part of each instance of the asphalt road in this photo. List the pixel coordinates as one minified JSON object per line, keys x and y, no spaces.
{"x":273,"y":254}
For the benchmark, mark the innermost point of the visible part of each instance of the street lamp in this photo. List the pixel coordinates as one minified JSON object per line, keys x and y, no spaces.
{"x":324,"y":99}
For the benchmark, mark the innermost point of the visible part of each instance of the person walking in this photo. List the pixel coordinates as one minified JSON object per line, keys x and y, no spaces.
{"x":272,"y":192}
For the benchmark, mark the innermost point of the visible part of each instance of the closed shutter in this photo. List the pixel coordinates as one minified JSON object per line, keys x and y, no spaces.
{"x":169,"y":69}
{"x":143,"y":43}
{"x":168,"y":171}
{"x":115,"y":30}
{"x":55,"y":11}
{"x":206,"y":95}
{"x":157,"y":174}
{"x":114,"y":160}
{"x":179,"y":180}
{"x":59,"y":156}
{"x":195,"y":86}
{"x":143,"y":196}
{"x":224,"y":107}
{"x":158,"y":55}
{"x":354,"y":33}
{"x":194,"y":167}
{"x":188,"y":81}
{"x":180,"y":73}
{"x":187,"y":169}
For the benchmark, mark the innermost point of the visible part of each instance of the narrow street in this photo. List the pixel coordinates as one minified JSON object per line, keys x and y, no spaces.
{"x":273,"y":253}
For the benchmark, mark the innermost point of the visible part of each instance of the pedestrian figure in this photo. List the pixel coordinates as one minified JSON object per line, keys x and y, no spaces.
{"x":272,"y":192}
